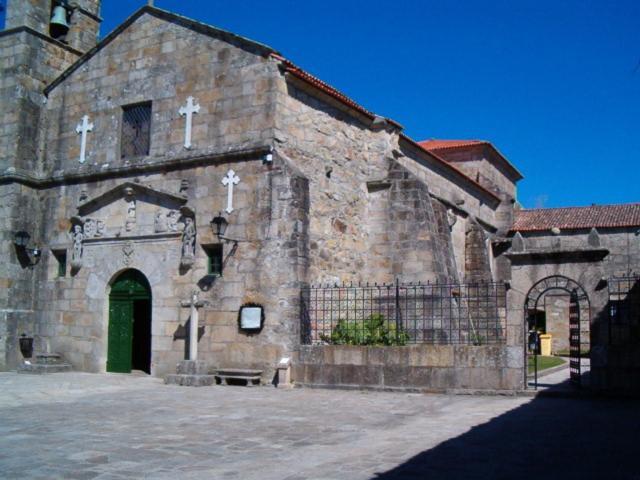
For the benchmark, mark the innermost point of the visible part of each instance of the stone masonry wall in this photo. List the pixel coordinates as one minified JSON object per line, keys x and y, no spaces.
{"x":431,"y":368}
{"x":27,"y":64}
{"x":358,"y":218}
{"x":148,"y":62}
{"x":268,"y":220}
{"x":591,"y":272}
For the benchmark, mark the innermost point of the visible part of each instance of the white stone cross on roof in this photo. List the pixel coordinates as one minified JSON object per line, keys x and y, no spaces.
{"x":229,"y":181}
{"x":187,"y":111}
{"x":83,"y":127}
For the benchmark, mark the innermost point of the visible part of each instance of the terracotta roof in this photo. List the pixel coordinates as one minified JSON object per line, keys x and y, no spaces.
{"x":599,"y":216}
{"x":298,"y":72}
{"x":434,"y":144}
{"x":441,"y":146}
{"x":324,"y":87}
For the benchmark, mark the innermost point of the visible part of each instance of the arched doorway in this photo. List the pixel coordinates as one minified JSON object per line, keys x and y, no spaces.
{"x":129,"y":338}
{"x":578,"y":321}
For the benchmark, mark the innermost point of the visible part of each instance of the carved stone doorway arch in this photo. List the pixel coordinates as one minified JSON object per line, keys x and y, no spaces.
{"x":579,"y":319}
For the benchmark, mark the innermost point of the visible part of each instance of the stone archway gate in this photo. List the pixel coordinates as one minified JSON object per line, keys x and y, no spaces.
{"x":578,"y":300}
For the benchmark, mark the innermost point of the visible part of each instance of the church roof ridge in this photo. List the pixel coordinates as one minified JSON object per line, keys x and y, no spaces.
{"x":599,"y":216}
{"x":435,"y":144}
{"x":200,"y":27}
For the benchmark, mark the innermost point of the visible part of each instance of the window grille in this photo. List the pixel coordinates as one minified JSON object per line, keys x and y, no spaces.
{"x":136,"y":130}
{"x":215,"y":263}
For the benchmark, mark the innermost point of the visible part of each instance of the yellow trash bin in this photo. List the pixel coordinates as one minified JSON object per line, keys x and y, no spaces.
{"x":545,"y":344}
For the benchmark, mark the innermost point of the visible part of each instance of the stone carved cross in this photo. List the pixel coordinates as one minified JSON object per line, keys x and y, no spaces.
{"x":83,"y":128}
{"x":187,"y":111}
{"x":193,"y":304}
{"x":229,"y":181}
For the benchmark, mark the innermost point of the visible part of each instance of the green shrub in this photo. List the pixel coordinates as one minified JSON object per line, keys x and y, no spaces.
{"x":374,"y":330}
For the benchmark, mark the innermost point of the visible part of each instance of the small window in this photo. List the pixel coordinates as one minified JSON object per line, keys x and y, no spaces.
{"x":61,"y":258}
{"x":215,"y":259}
{"x":136,"y":130}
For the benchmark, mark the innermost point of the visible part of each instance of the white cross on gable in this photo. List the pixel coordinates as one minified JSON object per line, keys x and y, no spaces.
{"x":83,"y":127}
{"x":229,"y":181}
{"x":187,"y":111}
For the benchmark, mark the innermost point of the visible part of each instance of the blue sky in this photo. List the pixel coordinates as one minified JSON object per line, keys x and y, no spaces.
{"x":555,"y":85}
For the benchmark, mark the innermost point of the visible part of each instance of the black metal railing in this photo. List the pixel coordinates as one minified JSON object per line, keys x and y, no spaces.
{"x":398,"y":314}
{"x":624,"y":310}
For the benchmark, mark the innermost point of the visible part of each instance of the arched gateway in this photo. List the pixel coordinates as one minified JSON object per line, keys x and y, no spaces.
{"x":129,"y":338}
{"x":579,"y":320}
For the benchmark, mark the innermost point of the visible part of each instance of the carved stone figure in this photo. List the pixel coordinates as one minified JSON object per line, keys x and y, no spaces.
{"x":131,"y":209}
{"x":100,"y":228}
{"x":189,"y":239}
{"x":90,"y":228}
{"x":127,"y":250}
{"x":160,"y":224}
{"x":188,"y":243}
{"x":172,"y":221}
{"x":76,"y":254}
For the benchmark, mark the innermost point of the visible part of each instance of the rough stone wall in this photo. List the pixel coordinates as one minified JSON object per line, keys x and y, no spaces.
{"x":338,"y":154}
{"x":443,"y":184}
{"x":147,"y":62}
{"x":270,"y":203}
{"x":477,"y":267}
{"x":419,"y":241}
{"x":27,"y":64}
{"x":269,"y":222}
{"x":476,"y":163}
{"x":431,"y":368}
{"x":573,"y":260}
{"x":34,"y":14}
{"x":371,"y":217}
{"x":84,"y":26}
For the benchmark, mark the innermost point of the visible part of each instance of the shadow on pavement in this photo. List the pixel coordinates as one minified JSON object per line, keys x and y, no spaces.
{"x":581,"y":438}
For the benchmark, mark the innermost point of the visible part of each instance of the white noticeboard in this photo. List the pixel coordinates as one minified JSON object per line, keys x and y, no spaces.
{"x":251,"y":318}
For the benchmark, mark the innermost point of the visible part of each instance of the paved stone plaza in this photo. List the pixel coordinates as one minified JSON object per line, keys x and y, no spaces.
{"x":79,"y":425}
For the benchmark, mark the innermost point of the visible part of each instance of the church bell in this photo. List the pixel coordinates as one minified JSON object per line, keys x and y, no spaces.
{"x":58,"y":26}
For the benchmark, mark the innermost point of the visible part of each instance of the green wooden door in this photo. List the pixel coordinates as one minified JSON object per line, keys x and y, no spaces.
{"x":130,"y":286}
{"x":120,"y":335}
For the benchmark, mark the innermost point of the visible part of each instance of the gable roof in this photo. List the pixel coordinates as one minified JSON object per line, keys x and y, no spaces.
{"x":574,"y":218}
{"x":265,"y":51}
{"x":443,"y":146}
{"x":203,"y":28}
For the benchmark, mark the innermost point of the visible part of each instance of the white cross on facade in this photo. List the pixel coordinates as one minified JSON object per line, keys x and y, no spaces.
{"x":83,"y":127}
{"x":229,"y":181}
{"x":188,"y":110}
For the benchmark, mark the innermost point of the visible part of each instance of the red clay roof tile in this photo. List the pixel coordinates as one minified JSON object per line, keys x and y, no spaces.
{"x":598,"y":216}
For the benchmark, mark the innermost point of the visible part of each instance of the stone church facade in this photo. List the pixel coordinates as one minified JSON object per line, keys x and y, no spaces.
{"x":119,"y":157}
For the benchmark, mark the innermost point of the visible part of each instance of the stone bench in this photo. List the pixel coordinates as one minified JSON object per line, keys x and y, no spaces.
{"x":249,"y":377}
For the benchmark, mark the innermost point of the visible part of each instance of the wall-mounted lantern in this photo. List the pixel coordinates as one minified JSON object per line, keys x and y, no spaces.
{"x":27,"y":256}
{"x":219,"y":226}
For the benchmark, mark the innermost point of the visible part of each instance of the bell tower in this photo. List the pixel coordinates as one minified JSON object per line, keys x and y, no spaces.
{"x":73,"y":23}
{"x":41,"y":39}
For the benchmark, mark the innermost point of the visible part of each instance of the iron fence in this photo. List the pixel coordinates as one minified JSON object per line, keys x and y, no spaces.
{"x":624,"y":310}
{"x":398,"y":314}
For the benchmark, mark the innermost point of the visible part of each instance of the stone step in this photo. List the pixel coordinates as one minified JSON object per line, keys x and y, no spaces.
{"x":48,"y":359}
{"x":43,"y":368}
{"x":187,"y":380}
